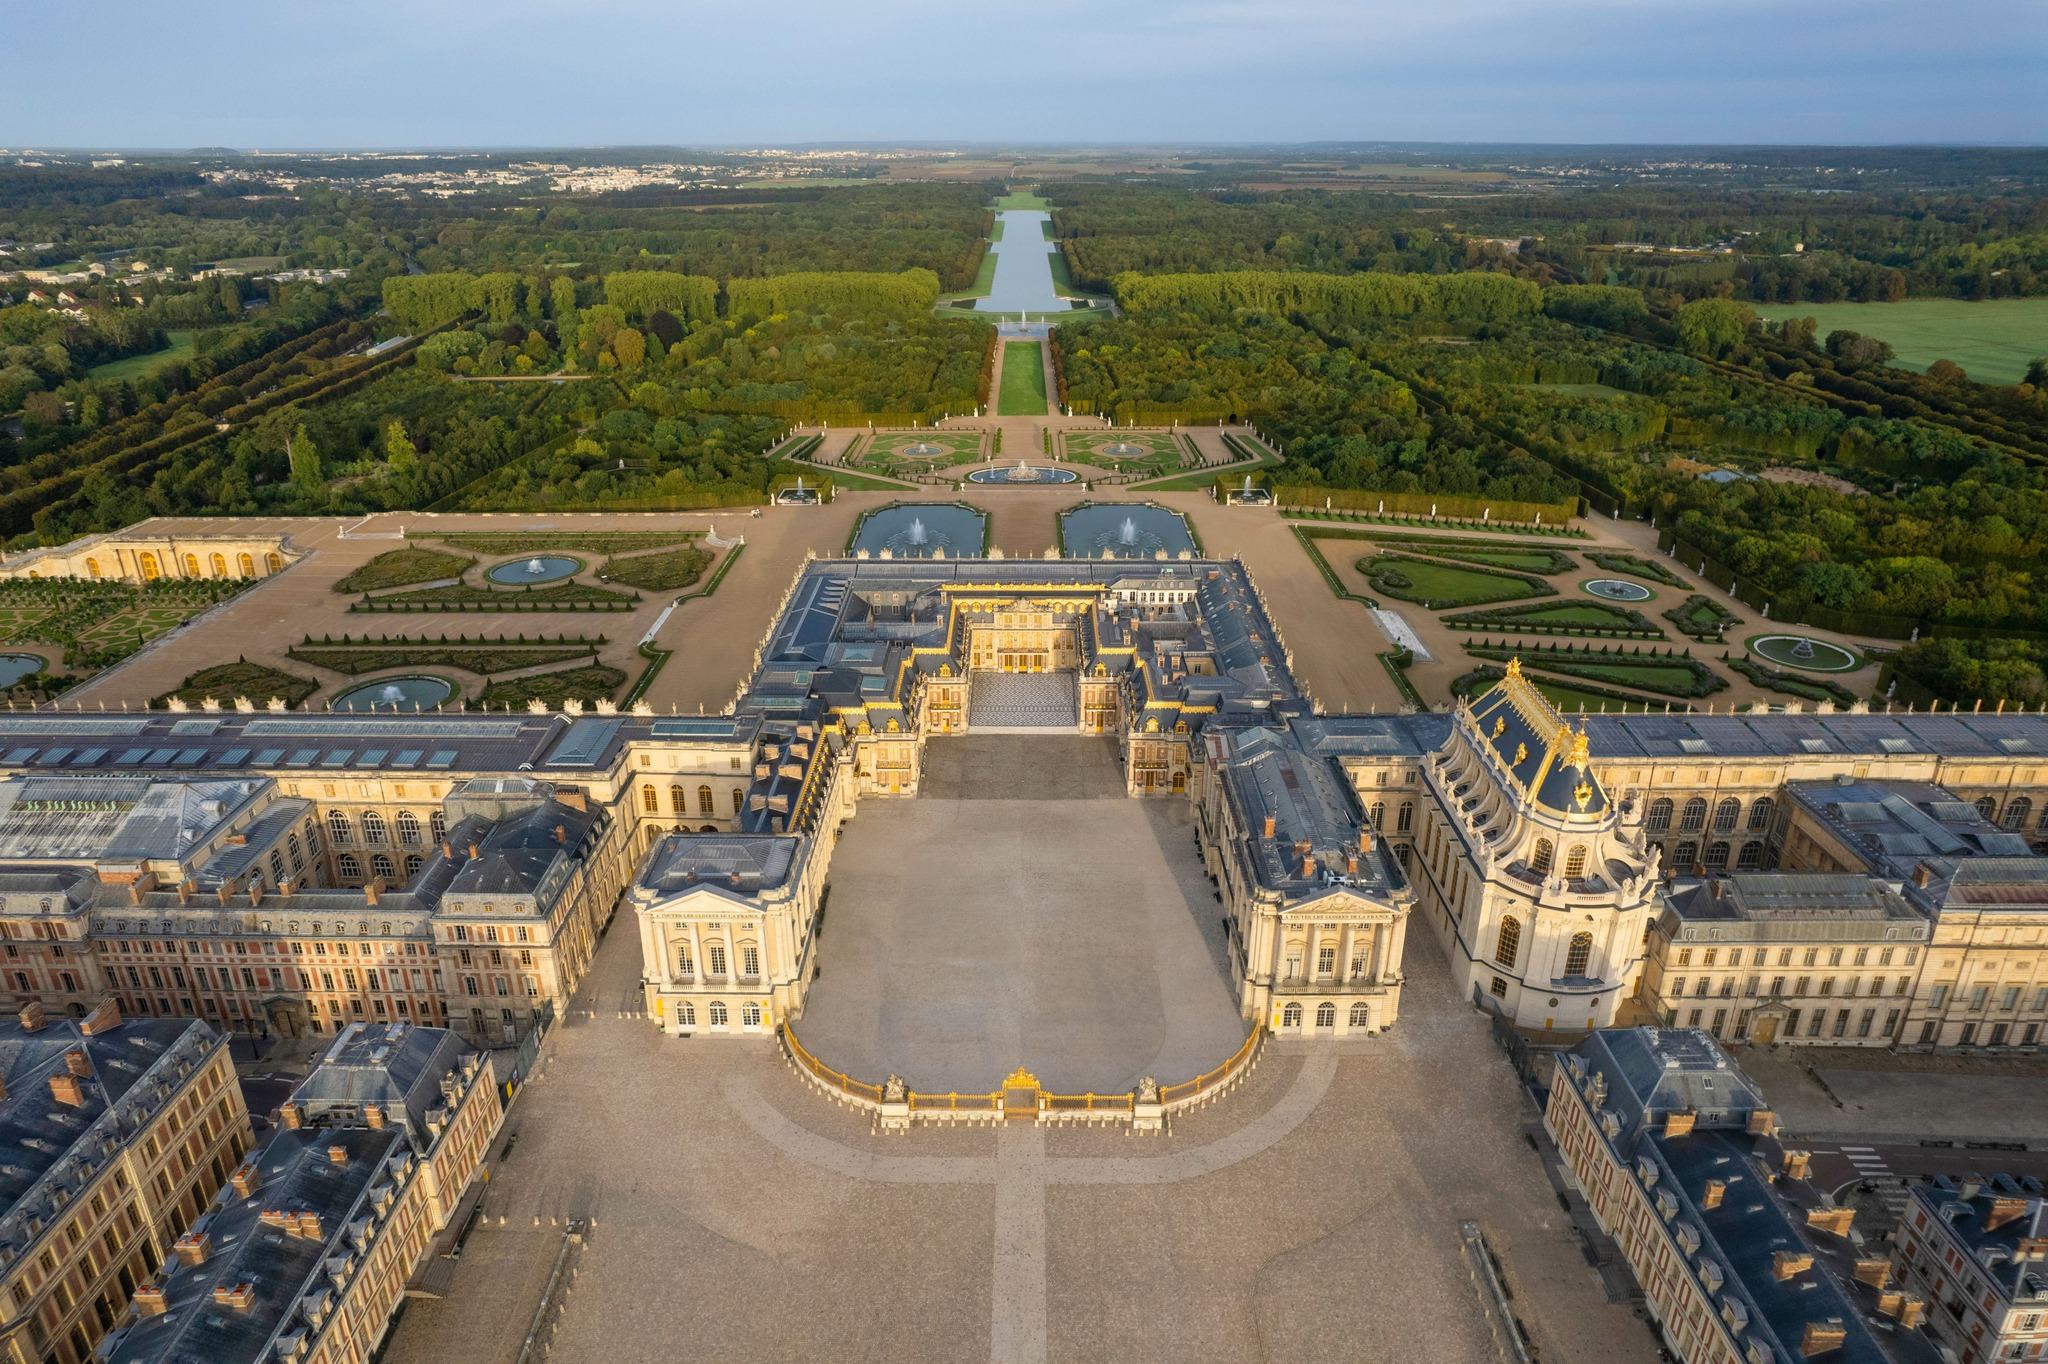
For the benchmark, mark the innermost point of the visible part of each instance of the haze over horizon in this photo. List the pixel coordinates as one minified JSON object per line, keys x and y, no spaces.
{"x":632,"y":72}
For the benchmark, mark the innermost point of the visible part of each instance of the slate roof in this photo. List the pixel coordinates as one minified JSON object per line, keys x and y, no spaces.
{"x":1536,"y":743}
{"x":399,"y":1066}
{"x":126,"y":820}
{"x":279,"y":1268}
{"x":1989,"y":1220}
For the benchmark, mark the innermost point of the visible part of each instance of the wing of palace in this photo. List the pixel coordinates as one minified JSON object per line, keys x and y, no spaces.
{"x":1835,"y":876}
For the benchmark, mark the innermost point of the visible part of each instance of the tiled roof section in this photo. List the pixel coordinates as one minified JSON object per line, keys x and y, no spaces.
{"x":1778,"y":897}
{"x":739,"y":865}
{"x":397,"y":1065}
{"x":283,"y":1270}
{"x":116,"y":819}
{"x":1681,"y":736}
{"x":1652,"y":1072}
{"x":42,"y":1138}
{"x":1315,"y":843}
{"x":235,"y":860}
{"x":2000,"y":1223}
{"x":525,"y":853}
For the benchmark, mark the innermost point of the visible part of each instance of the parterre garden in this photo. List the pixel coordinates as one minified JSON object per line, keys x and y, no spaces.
{"x":97,"y":623}
{"x":1130,"y":454}
{"x":907,"y":454}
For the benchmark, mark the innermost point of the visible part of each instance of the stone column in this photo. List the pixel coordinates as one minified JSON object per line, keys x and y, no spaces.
{"x":1345,"y":938}
{"x":1396,"y":946}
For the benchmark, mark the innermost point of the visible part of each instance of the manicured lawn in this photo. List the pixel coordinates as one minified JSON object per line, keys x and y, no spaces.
{"x":659,"y":572}
{"x":1672,"y":679}
{"x":1992,"y":340}
{"x":135,"y":366}
{"x":1554,"y":614}
{"x":1018,"y":198}
{"x":1632,"y":566}
{"x":1441,"y":585}
{"x":589,"y":542}
{"x":398,"y":567}
{"x":469,"y":658}
{"x":1023,"y":392}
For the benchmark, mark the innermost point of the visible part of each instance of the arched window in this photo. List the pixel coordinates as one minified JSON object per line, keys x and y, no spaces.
{"x":291,"y":843}
{"x":246,"y":564}
{"x":2016,"y":811}
{"x":380,"y":865}
{"x":1326,"y":1015}
{"x":191,"y":565}
{"x":1987,"y":806}
{"x":650,"y":800}
{"x":677,"y":804}
{"x":1404,"y":818}
{"x":1659,"y":817}
{"x":1575,"y":861}
{"x":273,"y":562}
{"x":1695,"y":817}
{"x":704,"y":802}
{"x":348,"y":868}
{"x":1360,"y":1015}
{"x":408,"y":828}
{"x":276,"y":866}
{"x":1717,"y":856}
{"x":686,"y":1014}
{"x":437,"y":825}
{"x":1539,"y":860}
{"x":1509,"y":942}
{"x":373,"y":827}
{"x":337,"y":827}
{"x":1760,"y":815}
{"x":219,"y":564}
{"x":750,"y":1015}
{"x":1725,"y":815}
{"x":413,"y":864}
{"x":739,"y":800}
{"x":1685,"y":857}
{"x":1750,"y":858}
{"x":1579,"y":954}
{"x":151,"y":570}
{"x":717,"y":1013}
{"x":92,"y":567}
{"x":1290,"y":1017}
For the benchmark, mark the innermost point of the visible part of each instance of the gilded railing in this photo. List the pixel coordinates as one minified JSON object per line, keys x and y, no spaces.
{"x":1188,"y":1090}
{"x":921,"y":1102}
{"x":832,"y":1079}
{"x":1086,"y":1103}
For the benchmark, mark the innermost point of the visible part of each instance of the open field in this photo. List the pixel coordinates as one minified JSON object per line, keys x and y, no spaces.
{"x":1992,"y":341}
{"x":135,"y":366}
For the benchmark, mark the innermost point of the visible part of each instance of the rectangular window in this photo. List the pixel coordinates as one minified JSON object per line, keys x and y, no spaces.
{"x":1864,"y":1022}
{"x":1939,"y":997}
{"x":1326,"y":960}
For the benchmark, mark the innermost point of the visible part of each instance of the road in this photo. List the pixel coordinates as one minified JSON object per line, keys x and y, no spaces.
{"x":1841,"y":1166}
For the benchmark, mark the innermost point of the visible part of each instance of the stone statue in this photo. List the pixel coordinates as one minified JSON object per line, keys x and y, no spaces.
{"x":894,"y":1090}
{"x":1148,"y":1090}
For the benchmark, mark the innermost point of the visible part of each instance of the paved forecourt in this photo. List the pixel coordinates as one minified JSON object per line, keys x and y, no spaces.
{"x":1022,"y":910}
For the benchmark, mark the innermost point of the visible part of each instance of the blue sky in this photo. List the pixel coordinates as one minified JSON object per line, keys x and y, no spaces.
{"x":287,"y":73}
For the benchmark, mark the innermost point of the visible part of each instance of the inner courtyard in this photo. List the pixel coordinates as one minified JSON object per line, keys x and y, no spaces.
{"x":1022,"y":910}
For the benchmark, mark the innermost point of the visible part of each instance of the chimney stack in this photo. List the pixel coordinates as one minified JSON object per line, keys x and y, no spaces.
{"x":78,"y":1063}
{"x":65,"y":1089}
{"x":1711,"y":1196}
{"x":1822,"y":1336}
{"x":1308,"y":866}
{"x":1271,"y":826}
{"x":247,"y":1179}
{"x":149,"y":1301}
{"x":1875,"y":1271}
{"x":291,"y":1116}
{"x":32,"y":1016}
{"x":239,"y":1296}
{"x":1680,"y":1123}
{"x":337,"y":1154}
{"x":561,"y":833}
{"x":1795,"y":1164}
{"x":373,"y":1117}
{"x":1922,"y":875}
{"x":1787,"y":1263}
{"x":372,"y":888}
{"x":1762,"y":1123}
{"x":1836,"y":1220}
{"x":2004,"y":1210}
{"x":193,"y":1247}
{"x":105,"y":1017}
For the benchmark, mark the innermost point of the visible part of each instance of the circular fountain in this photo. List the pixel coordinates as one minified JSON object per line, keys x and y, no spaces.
{"x":1021,"y":472}
{"x":922,"y":449}
{"x":1804,"y":653}
{"x":14,"y":667}
{"x":1121,"y":449}
{"x":421,"y":691}
{"x":1615,"y":589}
{"x":535,"y":570}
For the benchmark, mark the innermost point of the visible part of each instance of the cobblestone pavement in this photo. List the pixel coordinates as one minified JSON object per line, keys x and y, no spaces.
{"x":1312,"y":1214}
{"x":1067,"y":928}
{"x":1887,"y":1094}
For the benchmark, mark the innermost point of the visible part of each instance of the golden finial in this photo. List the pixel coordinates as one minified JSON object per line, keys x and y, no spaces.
{"x":1500,"y":725}
{"x":1515,"y":666}
{"x":1578,"y":755}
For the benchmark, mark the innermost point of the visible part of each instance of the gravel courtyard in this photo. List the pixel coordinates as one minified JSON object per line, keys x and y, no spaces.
{"x":1022,"y":910}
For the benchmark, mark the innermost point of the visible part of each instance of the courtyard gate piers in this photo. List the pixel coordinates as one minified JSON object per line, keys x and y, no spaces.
{"x":1147,"y":1108}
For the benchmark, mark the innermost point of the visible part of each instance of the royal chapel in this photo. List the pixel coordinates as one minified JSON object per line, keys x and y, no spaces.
{"x":1840,"y":876}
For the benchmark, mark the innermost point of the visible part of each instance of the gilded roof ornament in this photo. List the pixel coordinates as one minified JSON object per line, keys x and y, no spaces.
{"x":1579,"y":753}
{"x":1500,"y":725}
{"x":1515,"y":666}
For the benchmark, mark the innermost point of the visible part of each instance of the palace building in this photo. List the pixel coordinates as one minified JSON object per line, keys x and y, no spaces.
{"x":1838,"y":877}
